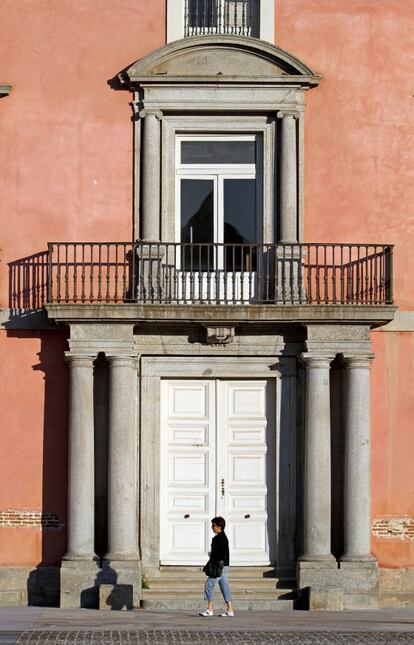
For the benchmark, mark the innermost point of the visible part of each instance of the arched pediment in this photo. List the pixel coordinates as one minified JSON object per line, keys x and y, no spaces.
{"x":228,"y":58}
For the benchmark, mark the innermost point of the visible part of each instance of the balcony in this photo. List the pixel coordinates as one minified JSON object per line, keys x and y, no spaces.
{"x":110,"y":273}
{"x":234,"y":17}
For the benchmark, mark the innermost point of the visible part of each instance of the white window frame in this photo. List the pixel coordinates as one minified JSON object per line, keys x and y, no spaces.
{"x":218,"y":173}
{"x":175,"y":20}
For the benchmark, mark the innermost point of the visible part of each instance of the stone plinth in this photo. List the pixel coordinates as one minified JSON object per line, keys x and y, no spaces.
{"x":115,"y":597}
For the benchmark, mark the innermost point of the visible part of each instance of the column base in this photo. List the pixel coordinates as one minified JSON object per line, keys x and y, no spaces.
{"x":120,"y":581}
{"x":75,"y":557}
{"x":335,"y":586}
{"x":121,"y":557}
{"x":367,"y":557}
{"x":78,"y":583}
{"x":329,"y":558}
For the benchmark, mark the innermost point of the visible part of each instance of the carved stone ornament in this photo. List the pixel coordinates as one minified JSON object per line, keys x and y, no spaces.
{"x":219,"y":335}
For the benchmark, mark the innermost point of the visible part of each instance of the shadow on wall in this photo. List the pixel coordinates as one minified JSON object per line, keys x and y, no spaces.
{"x":43,"y":585}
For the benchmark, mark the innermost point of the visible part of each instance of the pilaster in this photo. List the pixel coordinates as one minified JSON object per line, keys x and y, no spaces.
{"x":150,"y":189}
{"x":288,"y":176}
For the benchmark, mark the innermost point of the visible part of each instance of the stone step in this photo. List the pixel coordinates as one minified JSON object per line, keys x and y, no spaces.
{"x":236,"y":573}
{"x":236,"y":583}
{"x":258,"y":594}
{"x":195,"y":604}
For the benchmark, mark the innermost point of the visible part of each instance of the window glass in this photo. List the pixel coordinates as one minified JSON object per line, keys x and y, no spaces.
{"x":240,"y":223}
{"x":197,"y":210}
{"x":197,"y":223}
{"x":240,"y":211}
{"x":202,"y":13}
{"x":218,"y":152}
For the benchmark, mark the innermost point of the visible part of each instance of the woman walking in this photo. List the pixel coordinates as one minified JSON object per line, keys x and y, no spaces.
{"x":219,"y":553}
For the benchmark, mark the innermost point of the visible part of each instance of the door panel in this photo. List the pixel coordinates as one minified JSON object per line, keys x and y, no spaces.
{"x":187,"y":469}
{"x":244,"y":420}
{"x":215,"y":461}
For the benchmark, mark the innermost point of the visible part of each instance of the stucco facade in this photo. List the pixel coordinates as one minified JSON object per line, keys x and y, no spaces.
{"x":79,"y":163}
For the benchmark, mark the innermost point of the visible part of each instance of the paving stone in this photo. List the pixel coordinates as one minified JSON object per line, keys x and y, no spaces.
{"x":193,"y":637}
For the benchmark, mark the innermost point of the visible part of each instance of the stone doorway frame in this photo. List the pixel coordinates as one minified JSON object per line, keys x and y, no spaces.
{"x":155,"y":368}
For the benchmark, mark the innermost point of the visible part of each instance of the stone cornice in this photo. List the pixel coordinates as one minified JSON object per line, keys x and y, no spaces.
{"x":169,"y":64}
{"x":371,"y":316}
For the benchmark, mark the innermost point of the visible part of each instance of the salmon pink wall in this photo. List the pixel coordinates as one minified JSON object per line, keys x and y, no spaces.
{"x":33,"y":442}
{"x":66,"y":174}
{"x":66,"y":136}
{"x":393,"y":442}
{"x":359,"y":163}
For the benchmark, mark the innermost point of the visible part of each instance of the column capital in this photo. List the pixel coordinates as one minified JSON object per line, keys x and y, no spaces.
{"x":281,"y":114}
{"x":316,"y":361}
{"x":353,"y":361}
{"x":122,"y":360}
{"x":145,"y":112}
{"x":80,"y":360}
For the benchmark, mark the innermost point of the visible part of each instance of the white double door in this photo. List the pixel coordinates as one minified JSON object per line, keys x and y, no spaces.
{"x":217,"y":458}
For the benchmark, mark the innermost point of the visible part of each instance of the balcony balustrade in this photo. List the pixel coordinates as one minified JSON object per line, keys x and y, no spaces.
{"x":203,"y":273}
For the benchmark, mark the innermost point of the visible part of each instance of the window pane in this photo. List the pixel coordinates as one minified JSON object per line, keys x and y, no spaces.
{"x":218,"y":152}
{"x":240,"y":211}
{"x":202,"y":13}
{"x":237,"y":13}
{"x":197,"y":223}
{"x":240,"y":223}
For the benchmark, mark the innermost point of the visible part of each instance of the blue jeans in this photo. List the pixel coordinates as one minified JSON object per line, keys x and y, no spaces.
{"x":223,"y":584}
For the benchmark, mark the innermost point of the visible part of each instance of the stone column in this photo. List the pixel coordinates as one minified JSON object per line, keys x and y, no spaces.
{"x":317,"y":476}
{"x":357,"y":503}
{"x":122,"y":460}
{"x":150,"y":189}
{"x":288,"y":178}
{"x":81,"y":504}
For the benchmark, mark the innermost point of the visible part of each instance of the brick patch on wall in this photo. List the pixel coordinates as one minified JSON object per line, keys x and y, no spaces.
{"x":15,"y":519}
{"x":400,"y":528}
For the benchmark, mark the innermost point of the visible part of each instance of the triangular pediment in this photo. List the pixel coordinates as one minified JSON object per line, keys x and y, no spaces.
{"x":227,"y":58}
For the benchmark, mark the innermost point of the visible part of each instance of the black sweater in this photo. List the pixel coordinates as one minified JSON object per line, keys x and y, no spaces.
{"x":220,"y":548}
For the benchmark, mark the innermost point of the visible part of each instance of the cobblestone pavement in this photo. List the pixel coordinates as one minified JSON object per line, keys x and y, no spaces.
{"x":190,"y":637}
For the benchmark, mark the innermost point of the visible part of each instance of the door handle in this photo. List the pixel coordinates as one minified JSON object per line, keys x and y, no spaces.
{"x":246,"y":517}
{"x":222,"y":487}
{"x":186,"y":516}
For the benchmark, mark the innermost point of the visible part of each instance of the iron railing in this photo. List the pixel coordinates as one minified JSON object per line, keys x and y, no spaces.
{"x":207,"y":273}
{"x":237,"y":17}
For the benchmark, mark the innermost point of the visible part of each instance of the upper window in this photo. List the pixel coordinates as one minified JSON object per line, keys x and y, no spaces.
{"x":251,"y":18}
{"x":237,"y":17}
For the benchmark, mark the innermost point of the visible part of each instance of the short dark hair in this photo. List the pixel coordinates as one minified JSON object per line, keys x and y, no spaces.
{"x":220,"y":522}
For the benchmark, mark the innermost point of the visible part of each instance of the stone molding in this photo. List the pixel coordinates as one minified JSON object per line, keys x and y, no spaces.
{"x":348,"y":340}
{"x":266,"y":61}
{"x":348,"y":316}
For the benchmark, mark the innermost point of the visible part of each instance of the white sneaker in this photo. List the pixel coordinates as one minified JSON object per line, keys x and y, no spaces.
{"x":227,"y":613}
{"x":206,"y":612}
